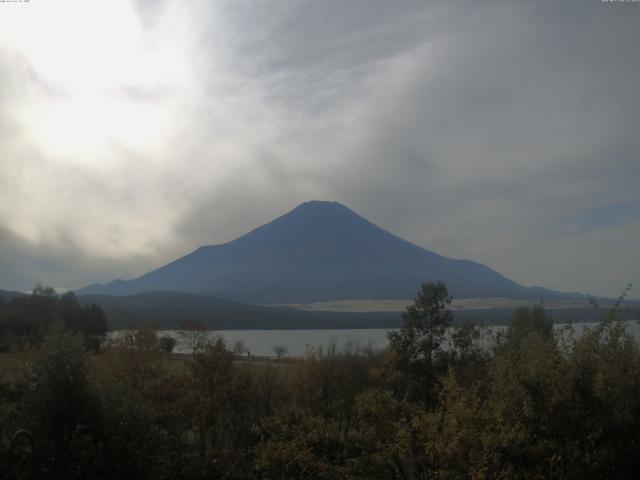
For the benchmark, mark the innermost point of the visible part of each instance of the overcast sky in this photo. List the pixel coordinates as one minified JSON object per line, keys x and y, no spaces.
{"x":132,"y":132}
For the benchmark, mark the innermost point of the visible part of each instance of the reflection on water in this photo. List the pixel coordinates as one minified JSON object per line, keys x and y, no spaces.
{"x":297,"y":342}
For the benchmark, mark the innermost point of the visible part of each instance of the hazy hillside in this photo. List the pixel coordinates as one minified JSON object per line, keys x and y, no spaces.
{"x":319,"y":251}
{"x":170,"y":309}
{"x":7,"y":295}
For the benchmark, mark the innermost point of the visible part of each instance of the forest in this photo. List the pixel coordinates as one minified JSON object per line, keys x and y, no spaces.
{"x":441,"y":402}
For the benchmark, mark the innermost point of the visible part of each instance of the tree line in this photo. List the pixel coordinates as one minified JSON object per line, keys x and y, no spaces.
{"x":438,"y":403}
{"x":29,"y":318}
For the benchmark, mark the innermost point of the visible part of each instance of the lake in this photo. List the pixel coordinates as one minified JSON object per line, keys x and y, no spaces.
{"x":296,"y":342}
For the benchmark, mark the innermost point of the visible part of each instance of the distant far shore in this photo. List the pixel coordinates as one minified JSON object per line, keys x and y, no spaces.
{"x":393,"y":305}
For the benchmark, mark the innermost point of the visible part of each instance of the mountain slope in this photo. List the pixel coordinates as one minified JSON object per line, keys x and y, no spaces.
{"x":319,"y":251}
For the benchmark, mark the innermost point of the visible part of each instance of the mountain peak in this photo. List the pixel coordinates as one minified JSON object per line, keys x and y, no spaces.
{"x":321,"y":204}
{"x":313,"y":221}
{"x":320,"y":250}
{"x":322,"y":208}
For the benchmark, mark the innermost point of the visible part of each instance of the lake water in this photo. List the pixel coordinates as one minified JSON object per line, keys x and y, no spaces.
{"x":297,"y":342}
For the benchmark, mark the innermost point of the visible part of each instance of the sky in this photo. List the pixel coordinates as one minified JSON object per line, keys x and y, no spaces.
{"x":134,"y":131}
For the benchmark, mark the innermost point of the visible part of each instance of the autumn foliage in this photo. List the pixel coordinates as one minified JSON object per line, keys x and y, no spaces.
{"x":442,"y":402}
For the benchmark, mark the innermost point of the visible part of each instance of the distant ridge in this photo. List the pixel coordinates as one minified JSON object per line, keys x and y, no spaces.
{"x":167,"y":310}
{"x":319,"y":251}
{"x":6,"y":296}
{"x":170,"y":309}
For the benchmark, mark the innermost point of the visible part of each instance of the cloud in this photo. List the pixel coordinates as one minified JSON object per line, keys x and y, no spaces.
{"x":23,"y":264}
{"x":500,"y":133}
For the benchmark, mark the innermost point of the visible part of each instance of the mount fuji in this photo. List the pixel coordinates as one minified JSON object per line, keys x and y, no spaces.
{"x":319,"y":251}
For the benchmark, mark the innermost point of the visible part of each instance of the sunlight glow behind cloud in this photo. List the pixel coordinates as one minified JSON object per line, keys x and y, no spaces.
{"x":85,"y":57}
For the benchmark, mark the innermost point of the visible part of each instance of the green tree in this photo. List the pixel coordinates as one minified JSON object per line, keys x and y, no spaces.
{"x":60,"y":403}
{"x":525,"y":322}
{"x":418,"y":344}
{"x":31,"y":316}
